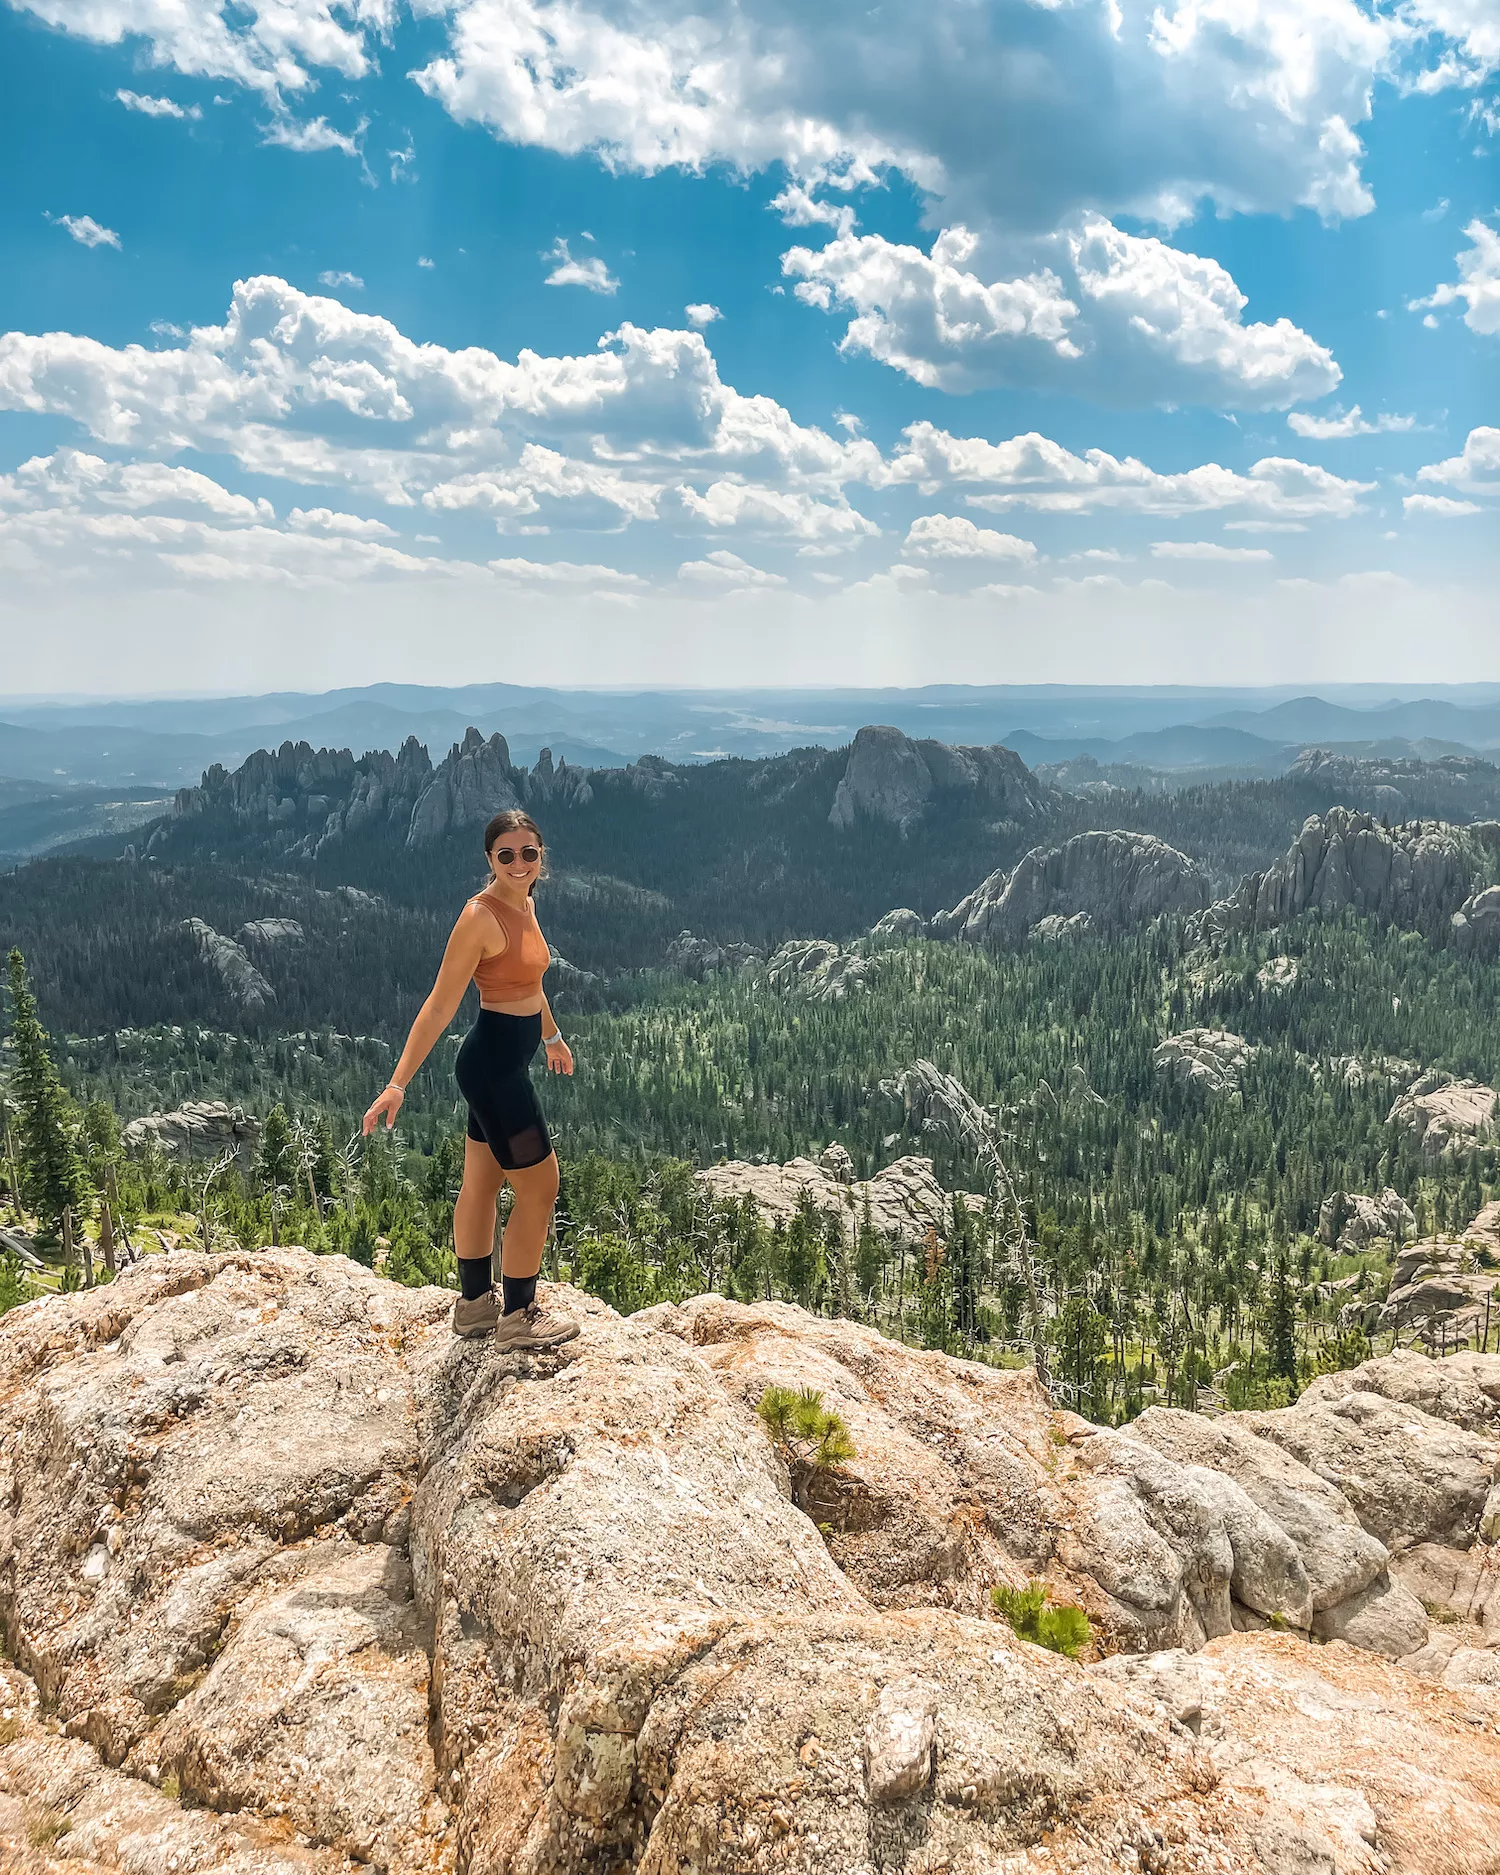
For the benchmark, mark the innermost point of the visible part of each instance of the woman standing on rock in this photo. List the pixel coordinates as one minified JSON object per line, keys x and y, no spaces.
{"x":499,"y":945}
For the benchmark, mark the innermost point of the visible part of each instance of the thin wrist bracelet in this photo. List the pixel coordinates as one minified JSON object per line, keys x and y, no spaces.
{"x":400,"y":1086}
{"x":555,"y":1036}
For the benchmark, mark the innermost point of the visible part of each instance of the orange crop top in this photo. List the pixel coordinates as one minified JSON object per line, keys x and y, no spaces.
{"x":516,"y":974}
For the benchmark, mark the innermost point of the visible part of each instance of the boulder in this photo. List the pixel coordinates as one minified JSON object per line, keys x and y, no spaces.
{"x":198,"y":1129}
{"x":270,"y":931}
{"x":240,"y":978}
{"x":1339,"y":1558}
{"x":1210,"y":1061}
{"x":1463,"y":1389}
{"x":905,"y":1199}
{"x":1445,"y":1115}
{"x":898,"y":927}
{"x":893,"y":779}
{"x":1414,"y":876}
{"x":293,"y":1580}
{"x":1350,"y":1221}
{"x":1409,"y":1478}
{"x":1441,"y":1285}
{"x":1115,"y":880}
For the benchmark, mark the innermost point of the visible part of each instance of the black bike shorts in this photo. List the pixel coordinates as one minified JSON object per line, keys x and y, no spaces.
{"x":493,"y":1070}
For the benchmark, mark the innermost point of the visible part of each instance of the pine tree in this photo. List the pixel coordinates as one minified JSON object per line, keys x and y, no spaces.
{"x":52,"y":1173}
{"x":276,"y":1162}
{"x":1281,"y":1322}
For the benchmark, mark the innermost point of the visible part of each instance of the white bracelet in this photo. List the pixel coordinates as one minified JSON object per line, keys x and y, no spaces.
{"x":400,"y":1086}
{"x":555,"y":1036}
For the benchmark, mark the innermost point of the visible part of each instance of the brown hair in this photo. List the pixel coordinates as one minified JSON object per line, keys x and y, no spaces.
{"x":514,"y":820}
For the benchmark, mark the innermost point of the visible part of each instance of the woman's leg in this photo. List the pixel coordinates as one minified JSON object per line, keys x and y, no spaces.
{"x":474,"y":1213}
{"x":535,"y":1188}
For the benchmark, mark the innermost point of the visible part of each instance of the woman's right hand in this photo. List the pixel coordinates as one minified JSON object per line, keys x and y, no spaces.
{"x":386,"y":1103}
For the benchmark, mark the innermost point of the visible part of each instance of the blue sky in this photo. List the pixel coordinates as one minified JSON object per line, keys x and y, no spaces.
{"x":344,"y":343}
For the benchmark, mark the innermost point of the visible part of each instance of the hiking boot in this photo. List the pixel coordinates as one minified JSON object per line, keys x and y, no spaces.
{"x":478,"y":1317}
{"x":535,"y":1326}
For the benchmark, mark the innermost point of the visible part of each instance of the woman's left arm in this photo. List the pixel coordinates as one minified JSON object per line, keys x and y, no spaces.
{"x":559,"y":1055}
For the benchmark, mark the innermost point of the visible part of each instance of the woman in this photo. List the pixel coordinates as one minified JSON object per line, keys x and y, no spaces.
{"x":499,"y":945}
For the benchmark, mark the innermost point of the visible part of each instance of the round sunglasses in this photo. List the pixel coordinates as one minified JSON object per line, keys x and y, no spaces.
{"x":507,"y":855}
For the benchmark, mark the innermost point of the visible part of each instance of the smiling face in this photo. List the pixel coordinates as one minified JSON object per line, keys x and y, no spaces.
{"x":514,"y":851}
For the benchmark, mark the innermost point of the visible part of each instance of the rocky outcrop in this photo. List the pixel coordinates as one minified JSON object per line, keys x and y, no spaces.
{"x":1114,"y":880}
{"x":1350,"y":1221}
{"x":233,"y":967}
{"x":290,"y":1577}
{"x":1210,"y":1061}
{"x":1414,"y":876}
{"x":905,"y":1199}
{"x":473,"y":782}
{"x":563,"y":786}
{"x":891,"y":778}
{"x":198,"y":1129}
{"x":819,"y":968}
{"x":1464,"y":1389}
{"x":1475,"y":926}
{"x":1442,"y":1286}
{"x":699,"y":957}
{"x":898,"y":927}
{"x":270,"y":931}
{"x":1445,"y":1115}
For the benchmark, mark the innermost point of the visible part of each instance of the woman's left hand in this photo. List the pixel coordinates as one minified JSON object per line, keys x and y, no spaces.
{"x":559,"y":1057}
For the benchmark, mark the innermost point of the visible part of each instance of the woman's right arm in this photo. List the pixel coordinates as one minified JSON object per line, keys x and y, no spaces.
{"x":460,"y":960}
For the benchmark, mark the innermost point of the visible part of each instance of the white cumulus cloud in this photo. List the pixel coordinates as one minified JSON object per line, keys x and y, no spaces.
{"x":1207,"y":550}
{"x":330,"y":521}
{"x":1345,"y":423}
{"x":1476,"y":470}
{"x":1032,"y":471}
{"x":589,"y":272}
{"x":315,"y":135}
{"x":727,"y":570}
{"x":1478,"y":283}
{"x":701,"y":314}
{"x":335,"y":278}
{"x":1097,"y":311}
{"x":1443,"y":505}
{"x":955,"y":537}
{"x":158,"y":107}
{"x":86,"y":231}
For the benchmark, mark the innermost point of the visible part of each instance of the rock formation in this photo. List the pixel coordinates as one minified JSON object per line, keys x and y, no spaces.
{"x":1210,"y":1061}
{"x":234,"y":969}
{"x":1442,"y":1286}
{"x":1415,"y":876}
{"x":899,"y":926}
{"x":563,"y":786}
{"x":270,"y":931}
{"x":1475,"y":926}
{"x":699,"y":957}
{"x":198,"y":1129}
{"x":819,"y":968}
{"x":905,"y":1199}
{"x":891,"y":778}
{"x":473,"y":782}
{"x":1113,"y":880}
{"x":1350,"y":1221}
{"x":1445,"y":1115}
{"x":289,"y":1576}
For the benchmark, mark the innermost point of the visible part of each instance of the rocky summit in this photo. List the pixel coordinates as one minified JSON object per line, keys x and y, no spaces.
{"x":292,"y":1581}
{"x":1094,"y":882}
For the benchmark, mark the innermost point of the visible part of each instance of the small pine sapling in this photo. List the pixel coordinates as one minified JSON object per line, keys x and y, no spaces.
{"x":1062,"y":1628}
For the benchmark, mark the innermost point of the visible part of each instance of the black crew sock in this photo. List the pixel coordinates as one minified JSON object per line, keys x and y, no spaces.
{"x":519,"y":1292}
{"x":474,"y":1277}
